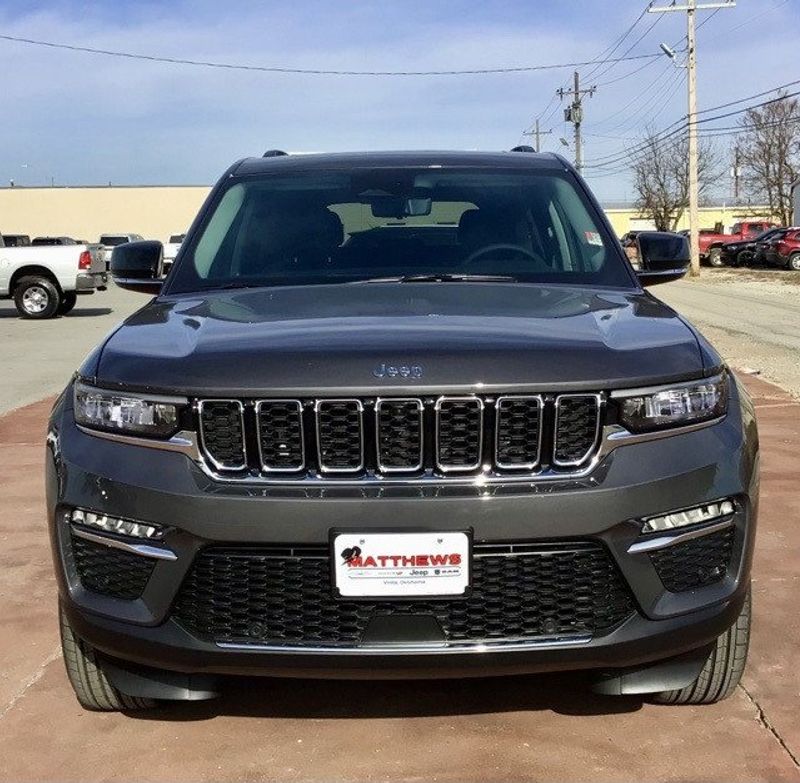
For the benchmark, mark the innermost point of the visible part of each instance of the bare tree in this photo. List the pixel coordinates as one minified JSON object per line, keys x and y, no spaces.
{"x":661,"y":177}
{"x":769,"y":154}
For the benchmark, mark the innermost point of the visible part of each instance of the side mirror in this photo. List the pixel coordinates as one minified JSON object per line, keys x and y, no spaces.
{"x":663,"y":257}
{"x":138,"y":266}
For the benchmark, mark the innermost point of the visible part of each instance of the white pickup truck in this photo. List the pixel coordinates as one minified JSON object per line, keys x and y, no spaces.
{"x":45,"y":281}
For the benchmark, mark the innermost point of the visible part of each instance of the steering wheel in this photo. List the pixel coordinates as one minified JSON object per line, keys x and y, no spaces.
{"x":483,"y":251}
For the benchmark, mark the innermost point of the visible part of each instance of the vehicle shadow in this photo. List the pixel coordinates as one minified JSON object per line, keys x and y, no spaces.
{"x":565,"y":694}
{"x":11,"y":312}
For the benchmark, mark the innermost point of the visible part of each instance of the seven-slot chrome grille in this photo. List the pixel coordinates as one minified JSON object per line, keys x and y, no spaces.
{"x":453,"y":435}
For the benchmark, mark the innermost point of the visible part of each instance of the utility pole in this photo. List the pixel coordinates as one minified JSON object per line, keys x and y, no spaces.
{"x":691,"y":7}
{"x":537,"y":134}
{"x":736,"y":172}
{"x":574,"y":113}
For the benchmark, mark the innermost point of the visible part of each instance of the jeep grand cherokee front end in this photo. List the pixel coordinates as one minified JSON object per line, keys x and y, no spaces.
{"x":402,"y":415}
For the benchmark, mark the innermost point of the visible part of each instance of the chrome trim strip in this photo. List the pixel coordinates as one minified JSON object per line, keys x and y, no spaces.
{"x":293,"y":469}
{"x":599,"y":401}
{"x":420,"y":411}
{"x":404,"y":649}
{"x":206,"y":453}
{"x":317,"y":405}
{"x":183,"y":442}
{"x":664,"y":541}
{"x":614,"y":436}
{"x":144,"y":550}
{"x":498,"y":407}
{"x":437,"y":408}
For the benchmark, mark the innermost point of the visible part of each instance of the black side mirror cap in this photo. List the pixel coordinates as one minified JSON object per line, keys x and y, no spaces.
{"x":663,"y":257}
{"x":138,"y":266}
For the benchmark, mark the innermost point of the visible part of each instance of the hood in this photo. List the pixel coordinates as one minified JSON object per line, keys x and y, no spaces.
{"x":378,"y":337}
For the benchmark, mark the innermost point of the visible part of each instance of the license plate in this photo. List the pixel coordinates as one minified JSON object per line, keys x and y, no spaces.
{"x":401,"y":565}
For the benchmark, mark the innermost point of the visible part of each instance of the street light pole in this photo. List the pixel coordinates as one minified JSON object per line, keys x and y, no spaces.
{"x":691,"y":9}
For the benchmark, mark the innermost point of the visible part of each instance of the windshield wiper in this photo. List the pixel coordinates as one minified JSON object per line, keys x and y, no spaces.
{"x":439,"y":277}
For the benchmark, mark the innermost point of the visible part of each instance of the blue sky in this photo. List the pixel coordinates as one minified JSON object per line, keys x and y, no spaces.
{"x":84,"y":119}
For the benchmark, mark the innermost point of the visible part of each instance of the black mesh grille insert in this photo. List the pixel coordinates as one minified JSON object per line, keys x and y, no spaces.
{"x":399,"y":425}
{"x":280,"y":434}
{"x":459,"y":423}
{"x":696,"y":563}
{"x":274,"y":596}
{"x":519,"y":421}
{"x":221,"y":431}
{"x":109,"y":571}
{"x":340,"y":435}
{"x":576,"y":428}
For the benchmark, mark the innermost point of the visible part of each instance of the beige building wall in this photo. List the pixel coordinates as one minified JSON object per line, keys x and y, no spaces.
{"x":85,"y":213}
{"x":155,"y":212}
{"x":624,"y":220}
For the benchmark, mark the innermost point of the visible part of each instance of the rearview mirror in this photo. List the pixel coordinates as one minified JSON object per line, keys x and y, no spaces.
{"x":397,"y":207}
{"x":138,"y":266}
{"x":663,"y":256}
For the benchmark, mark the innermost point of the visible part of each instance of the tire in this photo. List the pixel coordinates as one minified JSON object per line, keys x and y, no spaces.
{"x":745,"y":258}
{"x":36,"y":297}
{"x":715,"y":257}
{"x":67,"y":302}
{"x":723,"y":669}
{"x":85,"y":673}
{"x":794,"y":262}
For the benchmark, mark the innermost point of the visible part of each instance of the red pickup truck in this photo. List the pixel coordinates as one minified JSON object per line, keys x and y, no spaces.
{"x":711,"y":242}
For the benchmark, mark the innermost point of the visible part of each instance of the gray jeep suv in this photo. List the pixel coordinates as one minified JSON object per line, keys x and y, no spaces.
{"x":399,"y":415}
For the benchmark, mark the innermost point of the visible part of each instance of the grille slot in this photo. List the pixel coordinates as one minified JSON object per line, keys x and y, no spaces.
{"x":398,"y":424}
{"x":108,"y":571}
{"x":577,"y":428}
{"x":280,"y":435}
{"x":222,"y":433}
{"x":268,"y":596}
{"x":459,"y":433}
{"x":340,"y":435}
{"x":695,"y":563}
{"x":518,"y":432}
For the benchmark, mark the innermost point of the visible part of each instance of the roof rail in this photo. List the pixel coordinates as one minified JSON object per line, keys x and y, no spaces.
{"x":274,"y":154}
{"x":523,"y":148}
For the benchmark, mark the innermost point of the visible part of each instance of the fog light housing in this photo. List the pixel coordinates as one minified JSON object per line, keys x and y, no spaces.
{"x":689,"y":516}
{"x":111,"y":524}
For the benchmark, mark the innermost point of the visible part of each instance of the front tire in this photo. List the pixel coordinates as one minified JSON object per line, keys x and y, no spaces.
{"x":715,"y":257}
{"x":68,"y":301}
{"x":722,"y":670}
{"x":88,"y":680}
{"x":36,"y":297}
{"x":794,"y":262}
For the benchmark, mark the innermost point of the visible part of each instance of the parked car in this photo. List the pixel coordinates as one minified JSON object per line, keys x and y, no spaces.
{"x":743,"y":251}
{"x":108,"y":242}
{"x":784,"y":251}
{"x":760,"y":249}
{"x":15,"y":240}
{"x":711,"y":243}
{"x":45,"y":280}
{"x":343,"y":440}
{"x":171,"y":250}
{"x":51,"y":241}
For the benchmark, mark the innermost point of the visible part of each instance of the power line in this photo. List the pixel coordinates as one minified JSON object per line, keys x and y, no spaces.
{"x":609,"y":50}
{"x":316,"y":71}
{"x":669,"y":131}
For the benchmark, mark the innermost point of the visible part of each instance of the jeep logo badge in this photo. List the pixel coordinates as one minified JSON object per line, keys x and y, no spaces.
{"x":393,"y":371}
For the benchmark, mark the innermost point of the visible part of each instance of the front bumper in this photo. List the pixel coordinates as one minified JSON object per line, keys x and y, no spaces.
{"x":630,"y":483}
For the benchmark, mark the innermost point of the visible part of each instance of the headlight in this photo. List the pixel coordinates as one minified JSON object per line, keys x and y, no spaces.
{"x":672,"y":407}
{"x":127,"y":413}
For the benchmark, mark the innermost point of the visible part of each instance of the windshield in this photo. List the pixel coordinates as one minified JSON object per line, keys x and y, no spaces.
{"x":376,"y":223}
{"x":113,"y":241}
{"x":176,"y":239}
